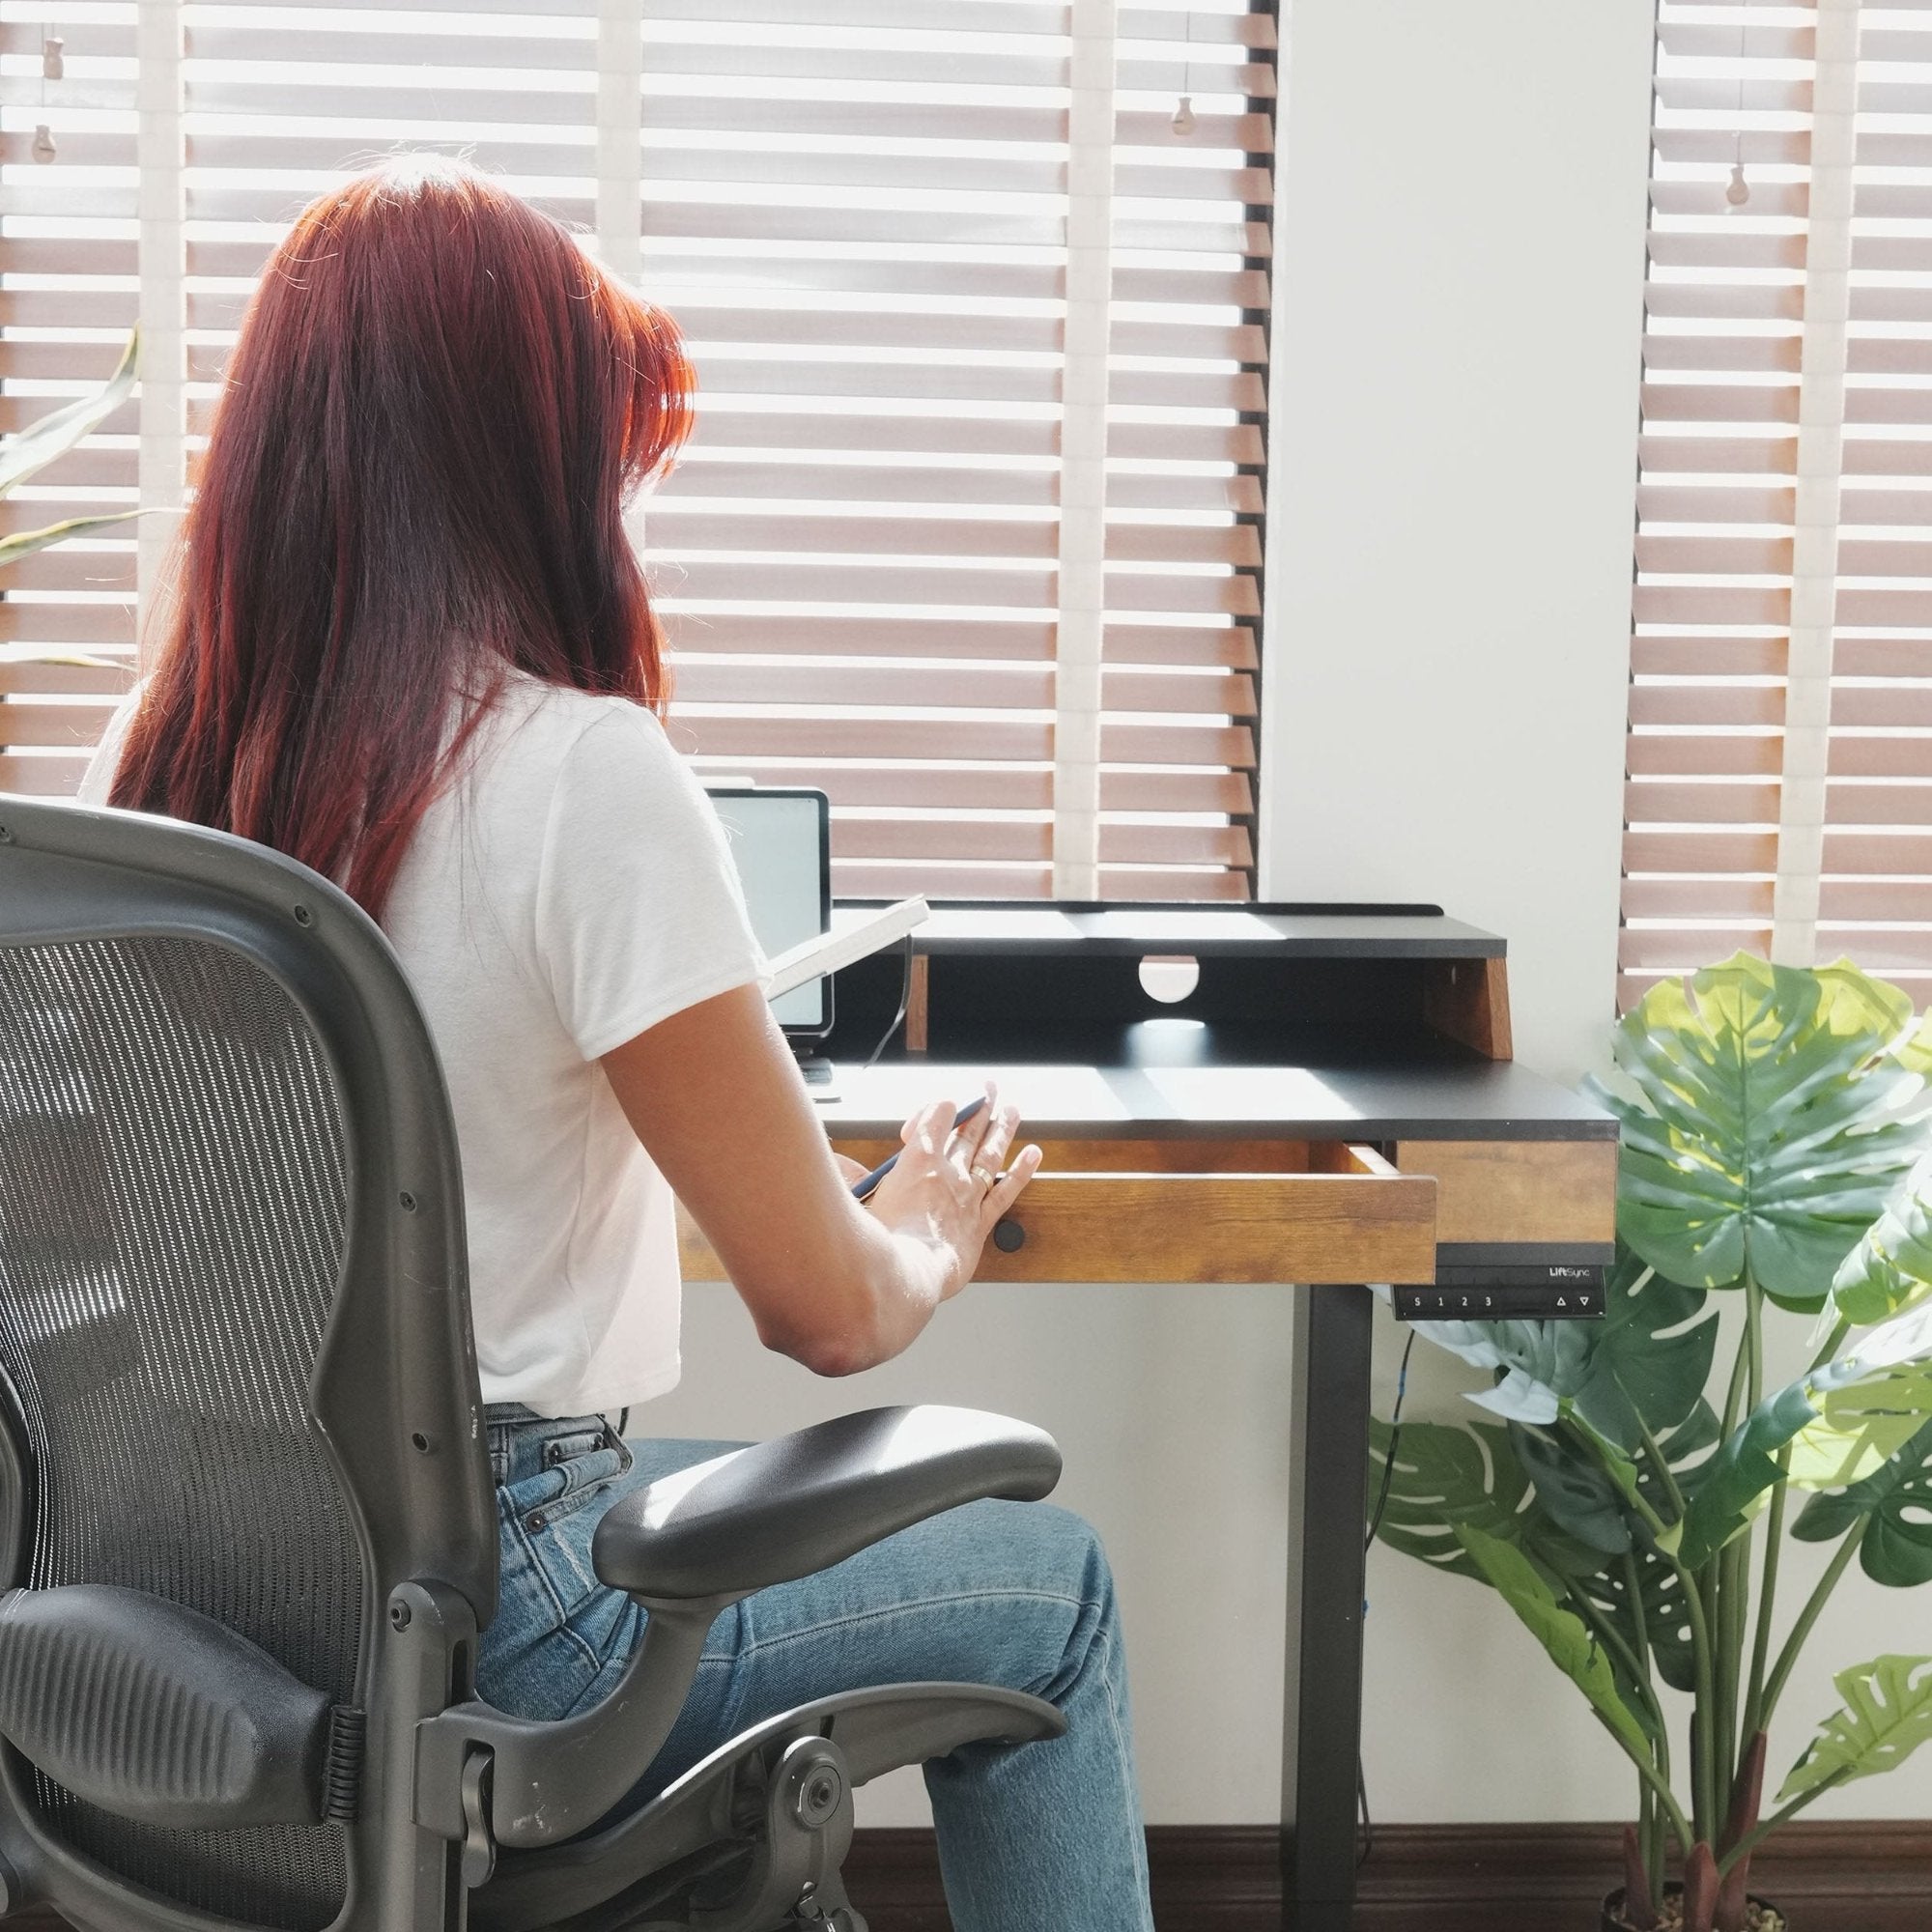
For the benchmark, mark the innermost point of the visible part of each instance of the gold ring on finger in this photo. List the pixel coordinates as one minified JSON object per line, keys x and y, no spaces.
{"x":985,"y":1175}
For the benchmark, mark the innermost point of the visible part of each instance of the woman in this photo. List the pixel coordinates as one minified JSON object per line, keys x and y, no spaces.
{"x":410,"y":647}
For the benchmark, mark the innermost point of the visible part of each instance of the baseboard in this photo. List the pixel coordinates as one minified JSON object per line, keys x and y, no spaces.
{"x":1872,"y":1876}
{"x":1851,"y":1877}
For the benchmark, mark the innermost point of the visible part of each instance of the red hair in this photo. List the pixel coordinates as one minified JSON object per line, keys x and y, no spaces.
{"x":415,"y":480}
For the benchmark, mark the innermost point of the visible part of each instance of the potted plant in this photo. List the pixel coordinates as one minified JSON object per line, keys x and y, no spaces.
{"x":38,"y":443}
{"x":1630,"y":1507}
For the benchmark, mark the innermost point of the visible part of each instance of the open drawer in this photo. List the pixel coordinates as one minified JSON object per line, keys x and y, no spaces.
{"x":1199,"y":1210}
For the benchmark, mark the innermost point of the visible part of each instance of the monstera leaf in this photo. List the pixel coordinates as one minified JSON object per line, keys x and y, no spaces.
{"x":1763,"y":1131}
{"x":1649,"y":1357}
{"x":1571,"y":1487}
{"x":1896,"y":1547}
{"x":24,"y":543}
{"x":39,"y":443}
{"x":1891,"y":1267}
{"x":1448,"y":1478}
{"x":1916,"y":1051}
{"x":1665,"y":1624}
{"x":1562,"y":1632}
{"x":1835,"y":1426}
{"x":1888,"y":1715}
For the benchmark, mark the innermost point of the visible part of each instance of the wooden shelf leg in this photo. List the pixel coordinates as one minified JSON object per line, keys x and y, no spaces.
{"x":1322,"y":1730}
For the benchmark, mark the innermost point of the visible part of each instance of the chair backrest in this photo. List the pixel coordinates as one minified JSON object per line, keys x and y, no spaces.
{"x":235,"y":1370}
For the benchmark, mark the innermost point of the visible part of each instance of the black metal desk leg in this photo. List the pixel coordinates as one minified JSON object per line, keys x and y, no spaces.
{"x":1328,"y":1475}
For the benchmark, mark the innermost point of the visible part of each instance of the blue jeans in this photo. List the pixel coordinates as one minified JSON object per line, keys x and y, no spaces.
{"x":1010,"y":1594}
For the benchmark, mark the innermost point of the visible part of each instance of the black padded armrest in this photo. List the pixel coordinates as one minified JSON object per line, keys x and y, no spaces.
{"x":803,"y":1502}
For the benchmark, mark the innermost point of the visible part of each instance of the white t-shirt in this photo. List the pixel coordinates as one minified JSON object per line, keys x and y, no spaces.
{"x":571,"y":888}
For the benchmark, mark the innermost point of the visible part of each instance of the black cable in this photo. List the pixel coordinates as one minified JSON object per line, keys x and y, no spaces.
{"x":1374,"y":1525}
{"x":1394,"y":1437}
{"x":905,"y":1000}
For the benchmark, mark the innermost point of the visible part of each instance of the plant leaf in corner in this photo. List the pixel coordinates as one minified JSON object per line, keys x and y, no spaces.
{"x":1763,"y":1125}
{"x":1890,"y":1269}
{"x":1896,"y":1547}
{"x":1886,"y":1715}
{"x":1839,"y":1424}
{"x":1447,"y":1475}
{"x":1561,"y":1632}
{"x":1645,"y":1363}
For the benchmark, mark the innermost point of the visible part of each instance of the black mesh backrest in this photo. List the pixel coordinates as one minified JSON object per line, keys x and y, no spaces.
{"x":173,"y":1203}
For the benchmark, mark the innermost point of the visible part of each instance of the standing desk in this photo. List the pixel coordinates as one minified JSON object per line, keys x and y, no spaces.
{"x":1334,"y":1105}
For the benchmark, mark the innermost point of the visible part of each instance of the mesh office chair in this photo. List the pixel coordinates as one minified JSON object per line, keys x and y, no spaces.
{"x":247,"y":1533}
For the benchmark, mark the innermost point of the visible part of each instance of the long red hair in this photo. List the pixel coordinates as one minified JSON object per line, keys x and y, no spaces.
{"x":414,"y":479}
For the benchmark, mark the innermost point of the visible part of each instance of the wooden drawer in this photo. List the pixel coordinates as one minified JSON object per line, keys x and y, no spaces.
{"x":1539,"y":1191}
{"x":1249,"y":1211}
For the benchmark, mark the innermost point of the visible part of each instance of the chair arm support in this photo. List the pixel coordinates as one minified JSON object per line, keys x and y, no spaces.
{"x":690,"y":1546}
{"x":800,"y":1503}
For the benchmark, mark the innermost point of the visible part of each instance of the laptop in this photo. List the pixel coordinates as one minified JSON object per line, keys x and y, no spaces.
{"x":782,"y":839}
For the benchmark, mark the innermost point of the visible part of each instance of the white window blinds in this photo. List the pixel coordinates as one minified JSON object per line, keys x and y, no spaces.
{"x":970,"y":531}
{"x":1781,"y":747}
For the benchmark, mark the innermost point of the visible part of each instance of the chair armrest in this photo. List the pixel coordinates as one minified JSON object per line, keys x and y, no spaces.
{"x":800,"y":1503}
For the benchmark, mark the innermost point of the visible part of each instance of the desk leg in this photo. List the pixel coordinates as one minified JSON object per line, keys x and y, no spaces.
{"x":1329,"y":1474}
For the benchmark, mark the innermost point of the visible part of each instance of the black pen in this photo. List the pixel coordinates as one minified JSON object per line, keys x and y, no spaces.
{"x":862,"y":1188}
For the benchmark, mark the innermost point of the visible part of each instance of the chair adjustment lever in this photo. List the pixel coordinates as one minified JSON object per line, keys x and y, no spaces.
{"x":479,"y":1841}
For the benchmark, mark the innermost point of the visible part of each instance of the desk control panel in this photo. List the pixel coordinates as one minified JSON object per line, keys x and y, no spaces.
{"x":1549,"y":1293}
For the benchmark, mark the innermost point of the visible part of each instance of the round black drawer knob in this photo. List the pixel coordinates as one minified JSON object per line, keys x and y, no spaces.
{"x":1009,"y":1236}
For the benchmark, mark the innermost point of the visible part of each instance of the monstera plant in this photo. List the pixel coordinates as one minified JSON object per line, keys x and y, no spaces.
{"x":38,"y":444}
{"x":1632,"y":1494}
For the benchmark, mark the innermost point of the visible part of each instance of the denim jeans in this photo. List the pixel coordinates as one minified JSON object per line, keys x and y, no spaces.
{"x":1016,"y":1595}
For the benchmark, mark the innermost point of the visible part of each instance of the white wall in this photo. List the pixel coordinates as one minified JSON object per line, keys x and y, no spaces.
{"x":1461,"y":267}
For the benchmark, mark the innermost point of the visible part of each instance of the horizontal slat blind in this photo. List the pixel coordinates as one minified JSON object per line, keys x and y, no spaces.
{"x":1717,"y":489}
{"x":69,"y":267}
{"x":861,"y":224}
{"x":1875,"y":891}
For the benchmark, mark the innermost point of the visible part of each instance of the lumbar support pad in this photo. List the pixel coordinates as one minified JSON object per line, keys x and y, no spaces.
{"x":156,"y":1712}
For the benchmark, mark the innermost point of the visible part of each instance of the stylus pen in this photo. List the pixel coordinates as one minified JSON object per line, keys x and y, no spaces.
{"x":862,"y":1188}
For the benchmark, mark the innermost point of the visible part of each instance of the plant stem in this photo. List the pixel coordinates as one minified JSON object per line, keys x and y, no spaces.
{"x":1666,"y":1480}
{"x":1726,"y":1584}
{"x":1750,"y":1841}
{"x":1705,"y":1807}
{"x":1753,"y":1344}
{"x":1634,"y":1589}
{"x":1767,"y":1598}
{"x":1680,"y":1825}
{"x":1613,"y":1639}
{"x":1833,"y":1343}
{"x":1734,"y":1395}
{"x":1787,"y":1657}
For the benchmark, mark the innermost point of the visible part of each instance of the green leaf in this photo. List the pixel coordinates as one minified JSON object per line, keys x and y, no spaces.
{"x":1562,"y":1632}
{"x":1571,"y":1487}
{"x":1891,"y":1266}
{"x":1762,"y":1128}
{"x":1649,"y":1357}
{"x":24,"y":543}
{"x":1665,"y":1622}
{"x":1446,"y":1477}
{"x":1915,"y":1049}
{"x":1888,"y":1715}
{"x":38,"y":443}
{"x":1836,"y":1425}
{"x":1896,"y":1547}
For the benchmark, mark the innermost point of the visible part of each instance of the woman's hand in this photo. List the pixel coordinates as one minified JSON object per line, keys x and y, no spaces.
{"x":716,"y":1097}
{"x":951,"y":1182}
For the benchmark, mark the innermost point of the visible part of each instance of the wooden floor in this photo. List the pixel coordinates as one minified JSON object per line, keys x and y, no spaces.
{"x":1851,"y":1877}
